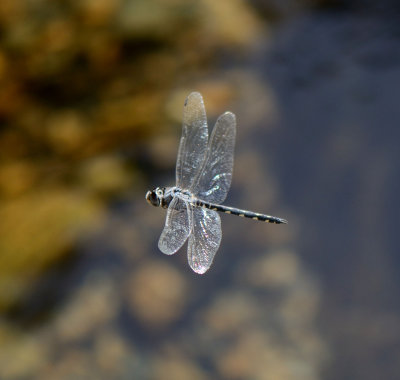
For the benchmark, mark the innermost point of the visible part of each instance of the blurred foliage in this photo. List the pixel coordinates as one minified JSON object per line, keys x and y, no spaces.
{"x":30,"y":242}
{"x":82,"y":85}
{"x":82,"y":77}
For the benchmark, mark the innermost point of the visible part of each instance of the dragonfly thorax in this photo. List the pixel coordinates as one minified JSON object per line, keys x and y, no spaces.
{"x":162,"y":196}
{"x":185,"y":195}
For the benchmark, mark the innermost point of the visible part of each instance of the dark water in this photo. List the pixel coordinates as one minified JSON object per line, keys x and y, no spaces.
{"x":336,"y":78}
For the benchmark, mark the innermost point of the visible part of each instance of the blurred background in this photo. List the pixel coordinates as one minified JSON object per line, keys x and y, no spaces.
{"x":91,"y":99}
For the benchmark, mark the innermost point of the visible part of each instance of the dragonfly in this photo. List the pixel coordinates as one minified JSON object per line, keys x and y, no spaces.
{"x":203,"y":177}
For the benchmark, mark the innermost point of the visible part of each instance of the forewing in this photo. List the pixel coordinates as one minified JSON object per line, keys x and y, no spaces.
{"x":214,"y":178}
{"x":193,"y":144}
{"x":177,"y":226}
{"x":204,"y":240}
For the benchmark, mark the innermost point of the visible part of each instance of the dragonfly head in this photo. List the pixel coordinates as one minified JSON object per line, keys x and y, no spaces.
{"x":155,"y":197}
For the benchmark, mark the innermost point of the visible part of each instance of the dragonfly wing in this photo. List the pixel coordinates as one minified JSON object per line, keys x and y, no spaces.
{"x":214,"y":179}
{"x":193,"y":144}
{"x":204,"y":240}
{"x":178,"y":225}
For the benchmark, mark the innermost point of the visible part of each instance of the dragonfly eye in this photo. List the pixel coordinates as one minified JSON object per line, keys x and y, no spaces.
{"x":153,"y":198}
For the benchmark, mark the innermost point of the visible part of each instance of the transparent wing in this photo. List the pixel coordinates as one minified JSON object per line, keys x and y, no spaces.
{"x":193,"y":144}
{"x":204,"y":240}
{"x":214,"y":179}
{"x":178,"y":225}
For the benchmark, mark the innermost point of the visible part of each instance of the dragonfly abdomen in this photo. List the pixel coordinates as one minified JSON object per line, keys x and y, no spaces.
{"x":239,"y":212}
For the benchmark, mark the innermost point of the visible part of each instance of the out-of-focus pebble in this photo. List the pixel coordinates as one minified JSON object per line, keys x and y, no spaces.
{"x":157,"y":294}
